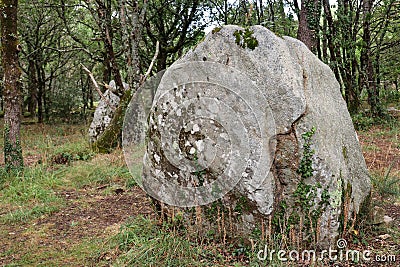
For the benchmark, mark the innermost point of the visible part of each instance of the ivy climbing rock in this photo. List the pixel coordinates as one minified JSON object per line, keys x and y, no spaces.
{"x":253,"y":128}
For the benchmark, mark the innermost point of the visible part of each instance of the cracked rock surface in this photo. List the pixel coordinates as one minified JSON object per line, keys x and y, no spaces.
{"x":302,"y":93}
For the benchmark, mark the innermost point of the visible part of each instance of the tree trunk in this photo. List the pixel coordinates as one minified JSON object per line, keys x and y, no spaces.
{"x":32,"y":88}
{"x":104,"y":13}
{"x":111,"y":137}
{"x":307,"y":22}
{"x":12,"y":87}
{"x":367,"y":64}
{"x":130,"y":39}
{"x":162,"y":59}
{"x":334,"y":62}
{"x":40,"y":93}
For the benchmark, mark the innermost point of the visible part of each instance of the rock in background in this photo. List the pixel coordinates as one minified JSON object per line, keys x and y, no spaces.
{"x":318,"y":185}
{"x":104,"y":112}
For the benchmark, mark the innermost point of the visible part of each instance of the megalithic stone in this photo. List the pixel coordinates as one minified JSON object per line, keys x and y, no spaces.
{"x":253,"y":127}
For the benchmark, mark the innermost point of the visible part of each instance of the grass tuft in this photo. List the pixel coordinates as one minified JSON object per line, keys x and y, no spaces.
{"x":140,"y":242}
{"x":387,"y":185}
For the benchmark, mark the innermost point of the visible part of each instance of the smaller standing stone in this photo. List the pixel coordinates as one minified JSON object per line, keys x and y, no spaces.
{"x":104,"y":112}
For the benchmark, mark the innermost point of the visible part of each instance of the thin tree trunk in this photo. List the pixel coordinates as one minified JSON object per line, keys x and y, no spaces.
{"x":367,"y":64}
{"x":47,"y":98}
{"x":106,"y":69}
{"x":104,"y":13}
{"x":131,"y":42}
{"x":306,"y":31}
{"x":40,"y":93}
{"x":334,"y":63}
{"x":12,"y":87}
{"x":32,"y":88}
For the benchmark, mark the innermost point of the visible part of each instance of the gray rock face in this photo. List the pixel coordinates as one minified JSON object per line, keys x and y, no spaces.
{"x":104,"y":112}
{"x":288,"y":177}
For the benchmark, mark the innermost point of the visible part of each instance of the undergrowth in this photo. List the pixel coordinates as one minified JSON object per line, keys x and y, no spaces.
{"x":386,"y":185}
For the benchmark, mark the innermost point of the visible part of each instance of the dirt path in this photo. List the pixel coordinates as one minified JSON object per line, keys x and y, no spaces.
{"x":86,"y":216}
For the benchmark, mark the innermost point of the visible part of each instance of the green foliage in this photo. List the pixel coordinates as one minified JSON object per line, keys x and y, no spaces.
{"x":182,"y":27}
{"x":364,"y":121}
{"x":67,"y":154}
{"x":305,"y":168}
{"x":386,"y":185}
{"x":279,"y":215}
{"x":12,"y":152}
{"x":92,"y":173}
{"x":216,"y":30}
{"x":245,"y":39}
{"x":313,"y":17}
{"x":306,"y":195}
{"x":242,"y":204}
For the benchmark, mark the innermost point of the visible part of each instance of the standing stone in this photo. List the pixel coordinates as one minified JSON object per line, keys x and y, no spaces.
{"x":104,"y":111}
{"x":315,"y":182}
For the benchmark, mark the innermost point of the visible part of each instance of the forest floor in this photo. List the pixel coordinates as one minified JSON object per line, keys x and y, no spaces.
{"x":71,"y":207}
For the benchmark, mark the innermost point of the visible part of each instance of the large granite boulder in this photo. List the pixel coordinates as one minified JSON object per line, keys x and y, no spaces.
{"x":104,"y":111}
{"x":253,"y":127}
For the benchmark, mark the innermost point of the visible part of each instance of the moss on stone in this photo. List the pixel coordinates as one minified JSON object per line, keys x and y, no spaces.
{"x":245,"y":39}
{"x":216,"y":30}
{"x":111,"y":137}
{"x":344,"y":152}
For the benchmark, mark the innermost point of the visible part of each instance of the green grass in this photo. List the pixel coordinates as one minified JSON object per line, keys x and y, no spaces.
{"x":39,"y":191}
{"x":28,"y":195}
{"x":33,"y":193}
{"x":386,"y":185}
{"x":140,"y":242}
{"x":92,"y":173}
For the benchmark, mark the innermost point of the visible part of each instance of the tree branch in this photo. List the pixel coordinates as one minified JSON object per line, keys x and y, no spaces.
{"x":143,"y":79}
{"x":96,"y":86}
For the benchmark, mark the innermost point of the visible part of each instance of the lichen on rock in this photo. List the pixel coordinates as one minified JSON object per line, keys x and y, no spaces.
{"x":294,"y":176}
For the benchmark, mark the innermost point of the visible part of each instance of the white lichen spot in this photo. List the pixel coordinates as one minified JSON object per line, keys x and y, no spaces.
{"x":160,"y":119}
{"x":192,"y":151}
{"x":200,"y":145}
{"x":224,"y":136}
{"x":157,"y":158}
{"x":196,"y":128}
{"x":173,"y":104}
{"x":175,"y":145}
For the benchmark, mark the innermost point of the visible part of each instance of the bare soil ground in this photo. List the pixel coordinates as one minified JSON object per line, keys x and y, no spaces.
{"x":86,"y":215}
